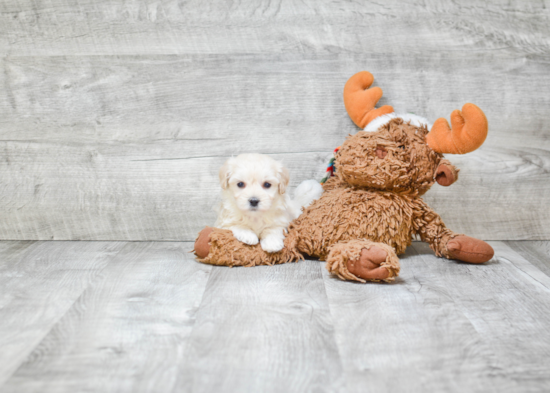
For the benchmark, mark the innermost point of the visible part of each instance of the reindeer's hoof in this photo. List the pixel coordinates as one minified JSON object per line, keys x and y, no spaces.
{"x":368,"y":265}
{"x":202,"y":244}
{"x":469,"y":249}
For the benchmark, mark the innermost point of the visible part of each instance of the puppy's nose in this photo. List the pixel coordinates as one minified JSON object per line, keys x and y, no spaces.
{"x":253,"y":201}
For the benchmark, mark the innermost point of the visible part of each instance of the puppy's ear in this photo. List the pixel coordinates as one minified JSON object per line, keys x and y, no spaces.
{"x":284,"y":177}
{"x":225,"y":173}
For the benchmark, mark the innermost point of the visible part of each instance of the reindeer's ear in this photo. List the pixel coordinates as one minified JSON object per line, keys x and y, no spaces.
{"x":225,"y":173}
{"x":446,"y":173}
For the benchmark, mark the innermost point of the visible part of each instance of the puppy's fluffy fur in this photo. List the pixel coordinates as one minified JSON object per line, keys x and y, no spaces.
{"x":255,"y":205}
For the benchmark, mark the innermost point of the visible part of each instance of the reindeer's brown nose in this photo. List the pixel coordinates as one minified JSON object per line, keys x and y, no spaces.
{"x":381,"y":152}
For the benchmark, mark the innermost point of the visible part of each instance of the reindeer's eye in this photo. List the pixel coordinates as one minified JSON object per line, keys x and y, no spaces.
{"x":267,"y":185}
{"x":240,"y":184}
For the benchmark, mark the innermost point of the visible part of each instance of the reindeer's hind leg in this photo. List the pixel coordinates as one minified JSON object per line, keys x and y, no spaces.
{"x":363,"y":260}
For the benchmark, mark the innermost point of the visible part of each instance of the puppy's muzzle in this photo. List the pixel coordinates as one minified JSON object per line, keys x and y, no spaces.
{"x":254,"y":201}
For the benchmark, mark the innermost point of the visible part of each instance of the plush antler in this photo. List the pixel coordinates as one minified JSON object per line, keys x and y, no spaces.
{"x":360,"y":100}
{"x":467,"y":134}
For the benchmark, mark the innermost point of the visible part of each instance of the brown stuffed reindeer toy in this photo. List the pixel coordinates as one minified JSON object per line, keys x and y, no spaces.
{"x":370,"y":211}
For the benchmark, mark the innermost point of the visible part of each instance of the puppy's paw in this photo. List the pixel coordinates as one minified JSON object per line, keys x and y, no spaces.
{"x":272,"y":243}
{"x":245,"y":235}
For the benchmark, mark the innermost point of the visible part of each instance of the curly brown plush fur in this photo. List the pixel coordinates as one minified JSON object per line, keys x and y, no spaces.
{"x":368,"y":214}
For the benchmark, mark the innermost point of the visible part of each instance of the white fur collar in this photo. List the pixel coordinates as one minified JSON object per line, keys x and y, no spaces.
{"x":415,"y":120}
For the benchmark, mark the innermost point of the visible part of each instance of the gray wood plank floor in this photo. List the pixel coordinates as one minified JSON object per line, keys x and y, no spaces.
{"x":146,"y":317}
{"x":115,"y":116}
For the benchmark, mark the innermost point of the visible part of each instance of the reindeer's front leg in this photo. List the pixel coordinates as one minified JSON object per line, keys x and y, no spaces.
{"x":444,"y":242}
{"x":220,"y":247}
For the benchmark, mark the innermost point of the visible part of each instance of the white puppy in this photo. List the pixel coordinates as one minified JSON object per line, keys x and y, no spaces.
{"x":254,"y":204}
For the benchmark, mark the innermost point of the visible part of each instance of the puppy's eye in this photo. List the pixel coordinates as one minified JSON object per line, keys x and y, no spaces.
{"x":401,"y":147}
{"x":267,"y":185}
{"x":240,"y":184}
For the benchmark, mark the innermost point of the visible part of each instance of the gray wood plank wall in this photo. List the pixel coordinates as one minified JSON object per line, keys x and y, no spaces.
{"x":115,"y":116}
